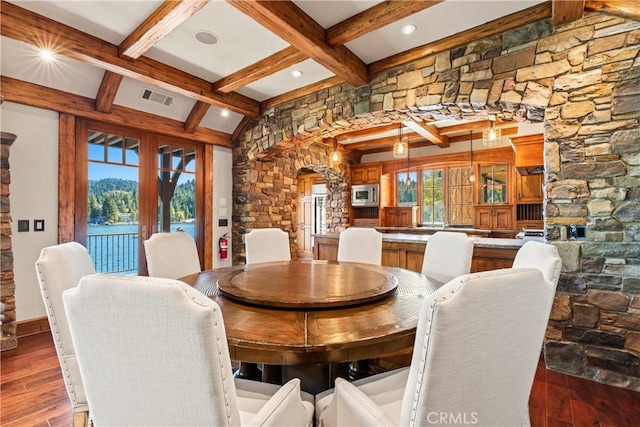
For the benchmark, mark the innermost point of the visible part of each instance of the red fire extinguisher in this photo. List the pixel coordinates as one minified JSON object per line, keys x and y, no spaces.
{"x":223,"y":245}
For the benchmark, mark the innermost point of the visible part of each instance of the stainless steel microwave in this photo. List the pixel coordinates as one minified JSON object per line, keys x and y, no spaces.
{"x":365,"y":195}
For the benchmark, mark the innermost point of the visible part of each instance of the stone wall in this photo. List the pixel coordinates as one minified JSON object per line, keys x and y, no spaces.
{"x":583,"y":80}
{"x":593,"y":179}
{"x":8,"y":338}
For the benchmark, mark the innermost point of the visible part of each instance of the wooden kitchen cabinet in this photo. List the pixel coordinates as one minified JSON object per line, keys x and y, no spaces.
{"x":529,"y":188}
{"x":400,"y":216}
{"x":494,"y":217}
{"x":368,"y":173}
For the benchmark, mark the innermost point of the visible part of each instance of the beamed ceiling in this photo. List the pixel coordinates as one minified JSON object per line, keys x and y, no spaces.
{"x":108,"y":53}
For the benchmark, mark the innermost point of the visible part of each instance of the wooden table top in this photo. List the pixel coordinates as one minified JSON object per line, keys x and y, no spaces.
{"x":278,"y":335}
{"x":305,"y":285}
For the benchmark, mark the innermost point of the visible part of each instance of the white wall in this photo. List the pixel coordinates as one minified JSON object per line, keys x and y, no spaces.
{"x":222,"y":200}
{"x":34,"y":195}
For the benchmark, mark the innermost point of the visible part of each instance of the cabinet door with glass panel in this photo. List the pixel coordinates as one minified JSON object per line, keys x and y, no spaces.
{"x":493,"y":184}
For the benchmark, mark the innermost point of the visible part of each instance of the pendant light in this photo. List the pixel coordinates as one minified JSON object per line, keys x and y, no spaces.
{"x":400,"y":148}
{"x":408,"y":184}
{"x":492,"y":136}
{"x":335,"y":157}
{"x":472,"y":176}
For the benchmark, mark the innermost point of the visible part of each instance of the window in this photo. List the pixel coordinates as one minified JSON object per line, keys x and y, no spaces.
{"x":445,"y":195}
{"x":433,"y":196}
{"x":407,"y":183}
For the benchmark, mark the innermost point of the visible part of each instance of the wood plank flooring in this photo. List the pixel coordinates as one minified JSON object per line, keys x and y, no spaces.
{"x":32,"y":394}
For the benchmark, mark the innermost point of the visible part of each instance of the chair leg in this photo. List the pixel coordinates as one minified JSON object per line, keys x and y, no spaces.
{"x":80,"y":419}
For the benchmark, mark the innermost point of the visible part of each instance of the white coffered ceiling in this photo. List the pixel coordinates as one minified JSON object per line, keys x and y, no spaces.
{"x":241,"y":42}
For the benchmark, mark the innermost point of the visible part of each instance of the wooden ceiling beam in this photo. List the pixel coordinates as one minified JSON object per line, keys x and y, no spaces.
{"x":375,"y":130}
{"x":195,"y":116}
{"x":626,"y":9}
{"x":430,"y":132}
{"x":365,"y":145}
{"x":416,"y":140}
{"x":269,"y":65}
{"x":369,"y":20}
{"x":289,"y":22}
{"x":374,"y":18}
{"x":107,"y":91}
{"x":492,"y":28}
{"x":36,"y":30}
{"x":26,"y":93}
{"x":160,"y":23}
{"x":565,"y":11}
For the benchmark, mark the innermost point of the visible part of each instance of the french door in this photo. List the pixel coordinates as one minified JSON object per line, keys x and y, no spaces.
{"x":129,"y":185}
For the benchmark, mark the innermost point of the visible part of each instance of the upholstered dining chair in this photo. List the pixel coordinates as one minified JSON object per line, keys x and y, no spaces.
{"x":171,"y":255}
{"x":476,"y":350}
{"x":59,"y":268}
{"x":154,"y":352}
{"x":542,"y":256}
{"x":267,"y":245}
{"x":360,"y":245}
{"x":447,"y":255}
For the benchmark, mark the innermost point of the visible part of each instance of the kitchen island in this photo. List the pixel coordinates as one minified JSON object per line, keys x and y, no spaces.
{"x":406,"y":250}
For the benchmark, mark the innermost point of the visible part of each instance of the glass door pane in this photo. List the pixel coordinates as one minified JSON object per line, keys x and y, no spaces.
{"x":113,"y":202}
{"x":176,"y":188}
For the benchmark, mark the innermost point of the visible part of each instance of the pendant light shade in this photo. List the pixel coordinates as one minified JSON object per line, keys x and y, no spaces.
{"x":492,"y":136}
{"x":472,"y":176}
{"x":335,"y":157}
{"x":400,"y":148}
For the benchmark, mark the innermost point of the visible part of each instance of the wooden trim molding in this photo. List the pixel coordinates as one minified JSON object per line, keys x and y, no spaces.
{"x":66,"y":177}
{"x":56,"y":100}
{"x":33,"y":326}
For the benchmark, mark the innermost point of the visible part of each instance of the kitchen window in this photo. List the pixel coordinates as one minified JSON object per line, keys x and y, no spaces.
{"x":444,"y":195}
{"x":407,"y":188}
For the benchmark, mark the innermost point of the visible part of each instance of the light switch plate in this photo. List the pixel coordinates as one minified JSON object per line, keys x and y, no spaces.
{"x":38,"y":225}
{"x":23,"y":225}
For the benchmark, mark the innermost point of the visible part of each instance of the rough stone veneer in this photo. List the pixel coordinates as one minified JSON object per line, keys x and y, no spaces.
{"x":8,"y":339}
{"x":583,"y":80}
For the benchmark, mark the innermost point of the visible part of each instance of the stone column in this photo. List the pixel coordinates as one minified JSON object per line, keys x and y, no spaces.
{"x":7,"y":284}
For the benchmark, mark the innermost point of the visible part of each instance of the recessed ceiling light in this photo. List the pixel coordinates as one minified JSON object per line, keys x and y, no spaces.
{"x":206,"y":37}
{"x":224,"y":113}
{"x":296,"y":73}
{"x":47,"y":55}
{"x":408,"y":29}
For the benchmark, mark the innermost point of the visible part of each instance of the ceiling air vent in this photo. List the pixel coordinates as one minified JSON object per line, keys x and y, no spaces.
{"x":156,"y":96}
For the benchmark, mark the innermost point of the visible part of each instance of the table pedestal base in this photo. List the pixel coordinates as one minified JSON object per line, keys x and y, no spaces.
{"x":248,"y":371}
{"x":359,"y":369}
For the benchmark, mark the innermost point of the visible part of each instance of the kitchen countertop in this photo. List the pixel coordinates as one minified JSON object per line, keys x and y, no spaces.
{"x":481,"y":242}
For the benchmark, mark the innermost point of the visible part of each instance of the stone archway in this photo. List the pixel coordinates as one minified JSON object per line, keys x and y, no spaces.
{"x":583,"y":80}
{"x":265,"y":192}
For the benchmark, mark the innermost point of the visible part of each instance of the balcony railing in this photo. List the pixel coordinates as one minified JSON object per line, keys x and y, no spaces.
{"x":114,"y":253}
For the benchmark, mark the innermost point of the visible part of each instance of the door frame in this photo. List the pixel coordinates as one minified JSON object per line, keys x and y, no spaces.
{"x":73,"y":180}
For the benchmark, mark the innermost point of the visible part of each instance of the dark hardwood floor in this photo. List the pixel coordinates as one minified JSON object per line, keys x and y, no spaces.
{"x":33,"y":394}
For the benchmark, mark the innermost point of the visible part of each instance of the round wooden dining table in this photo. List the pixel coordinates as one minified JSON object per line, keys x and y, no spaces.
{"x":310,"y":312}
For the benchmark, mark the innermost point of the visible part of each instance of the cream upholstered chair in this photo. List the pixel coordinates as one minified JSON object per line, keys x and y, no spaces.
{"x":267,"y":245}
{"x":447,"y":255}
{"x":171,"y":255}
{"x":154,"y":352}
{"x":59,"y":268}
{"x":360,"y":245}
{"x":542,"y":256}
{"x":476,"y":351}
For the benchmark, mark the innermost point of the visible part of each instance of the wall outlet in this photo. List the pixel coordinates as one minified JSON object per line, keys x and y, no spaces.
{"x":576,"y":232}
